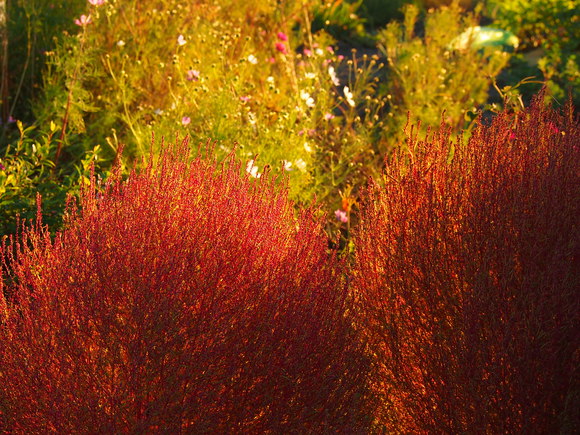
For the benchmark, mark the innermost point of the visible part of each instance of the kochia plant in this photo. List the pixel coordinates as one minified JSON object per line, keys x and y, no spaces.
{"x":468,"y":279}
{"x":188,"y":299}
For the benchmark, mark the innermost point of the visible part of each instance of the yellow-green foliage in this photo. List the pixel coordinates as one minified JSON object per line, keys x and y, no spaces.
{"x":550,"y":32}
{"x":247,"y":72}
{"x":264,"y":74}
{"x":429,"y":76}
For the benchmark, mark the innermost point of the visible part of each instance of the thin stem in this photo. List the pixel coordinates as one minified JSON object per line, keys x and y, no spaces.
{"x":69,"y":102}
{"x":4,"y":78}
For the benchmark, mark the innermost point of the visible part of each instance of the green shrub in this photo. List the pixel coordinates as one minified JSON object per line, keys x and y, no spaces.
{"x":32,"y":28}
{"x":552,"y":29}
{"x":27,"y":168}
{"x":428,"y":76}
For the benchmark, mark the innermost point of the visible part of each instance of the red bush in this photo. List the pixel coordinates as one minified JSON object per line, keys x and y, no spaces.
{"x":467,"y":279}
{"x":187,"y":299}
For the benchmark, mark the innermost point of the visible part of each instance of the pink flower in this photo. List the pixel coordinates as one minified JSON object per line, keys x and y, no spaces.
{"x":512,"y":135}
{"x":281,"y":47}
{"x":2,"y":167}
{"x":185,"y":120}
{"x":272,"y":60}
{"x":330,"y":49}
{"x":245,"y":98}
{"x":97,"y":2}
{"x":192,"y":75}
{"x":553,"y":128}
{"x":340,"y":57}
{"x":282,"y":36}
{"x":341,"y":216}
{"x":328,"y":116}
{"x":83,"y":20}
{"x":307,"y":52}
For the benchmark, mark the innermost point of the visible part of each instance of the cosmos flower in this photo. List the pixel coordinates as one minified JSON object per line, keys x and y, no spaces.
{"x":83,"y":21}
{"x":192,"y":75}
{"x":252,"y":169}
{"x":281,"y":47}
{"x":349,"y":97}
{"x":333,"y":76}
{"x":341,"y":216}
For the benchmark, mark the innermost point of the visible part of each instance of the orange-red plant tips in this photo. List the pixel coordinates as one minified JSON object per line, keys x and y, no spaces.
{"x":468,"y":280}
{"x":187,"y":299}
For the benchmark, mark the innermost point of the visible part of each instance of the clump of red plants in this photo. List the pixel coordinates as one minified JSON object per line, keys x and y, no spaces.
{"x":187,"y":299}
{"x":467,"y":279}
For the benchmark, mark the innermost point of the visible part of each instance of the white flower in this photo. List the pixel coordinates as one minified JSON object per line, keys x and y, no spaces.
{"x":307,"y":147}
{"x":120,"y":43}
{"x":252,"y":170}
{"x":301,"y":165}
{"x":252,"y":59}
{"x":333,"y":76}
{"x":319,"y":52}
{"x":349,"y":97}
{"x":310,"y":75}
{"x":307,"y":98}
{"x":286,"y":165}
{"x":181,"y":40}
{"x":270,"y":79}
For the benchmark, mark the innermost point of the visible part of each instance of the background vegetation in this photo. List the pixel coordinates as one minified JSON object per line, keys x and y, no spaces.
{"x":320,"y":91}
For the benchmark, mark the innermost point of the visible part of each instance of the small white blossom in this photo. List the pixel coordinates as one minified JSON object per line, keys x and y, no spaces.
{"x":307,"y":98}
{"x":252,"y":59}
{"x":349,"y":97}
{"x":333,"y":76}
{"x":252,"y":169}
{"x":301,"y":165}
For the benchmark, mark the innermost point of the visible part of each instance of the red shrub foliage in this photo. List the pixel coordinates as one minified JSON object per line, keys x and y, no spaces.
{"x":468,"y":279}
{"x":188,"y":299}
